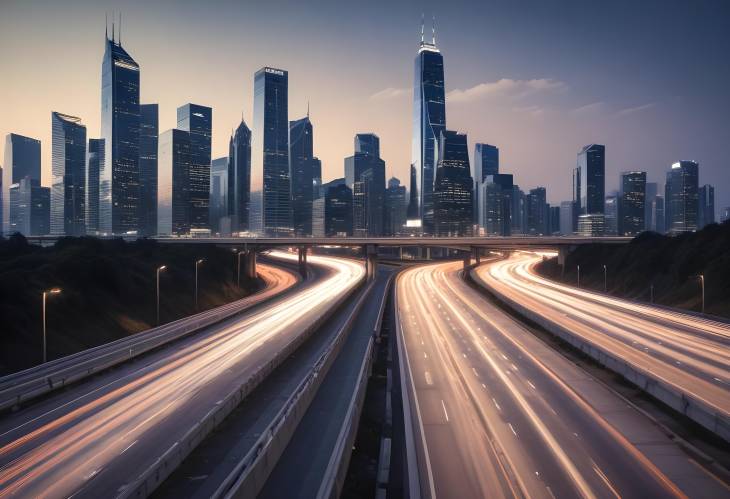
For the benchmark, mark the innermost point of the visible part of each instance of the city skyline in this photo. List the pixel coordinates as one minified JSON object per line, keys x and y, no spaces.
{"x":388,"y":96}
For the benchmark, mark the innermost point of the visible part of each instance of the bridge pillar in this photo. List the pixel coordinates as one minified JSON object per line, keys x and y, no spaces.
{"x":303,"y":261}
{"x":400,"y":253}
{"x":249,"y":264}
{"x":467,"y":259}
{"x":371,"y":260}
{"x":428,"y":252}
{"x":477,"y":252}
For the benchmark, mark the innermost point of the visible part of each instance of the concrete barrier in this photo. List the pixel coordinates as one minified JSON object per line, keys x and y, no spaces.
{"x":695,"y":409}
{"x":152,"y":477}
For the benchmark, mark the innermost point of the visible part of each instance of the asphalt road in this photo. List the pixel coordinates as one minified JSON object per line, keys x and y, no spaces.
{"x":503,"y":415}
{"x":96,"y":438}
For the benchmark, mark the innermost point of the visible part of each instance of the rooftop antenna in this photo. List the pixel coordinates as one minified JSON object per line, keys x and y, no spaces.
{"x":120,"y":28}
{"x":307,"y":109}
{"x":112,"y":26}
{"x":422,"y":22}
{"x":106,"y":25}
{"x":433,"y":31}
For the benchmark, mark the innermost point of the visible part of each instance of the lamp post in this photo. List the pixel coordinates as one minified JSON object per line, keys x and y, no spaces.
{"x":53,"y":291}
{"x":702,"y":284}
{"x":159,"y":269}
{"x":605,"y":280}
{"x":579,"y":276}
{"x":197,"y":262}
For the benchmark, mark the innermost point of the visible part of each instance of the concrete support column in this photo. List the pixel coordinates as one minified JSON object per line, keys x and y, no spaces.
{"x":428,"y":253}
{"x":400,"y":253}
{"x":371,"y":260}
{"x":249,"y":265}
{"x":303,"y":261}
{"x":467,"y":259}
{"x":477,"y":252}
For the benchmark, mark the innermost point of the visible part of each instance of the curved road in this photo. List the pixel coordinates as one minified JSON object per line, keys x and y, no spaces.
{"x":95,"y":439}
{"x":503,"y":415}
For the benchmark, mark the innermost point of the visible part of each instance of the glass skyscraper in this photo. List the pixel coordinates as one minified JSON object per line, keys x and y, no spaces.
{"x":239,"y":178}
{"x":429,"y":120}
{"x":495,"y":204}
{"x":537,"y":211}
{"x":453,"y":188}
{"x":486,"y":162}
{"x":591,"y":179}
{"x":148,"y":143}
{"x":682,"y":197}
{"x":22,"y":160}
{"x":173,"y":200}
{"x":338,"y":209}
{"x":631,"y":207}
{"x":301,"y":160}
{"x":395,"y":208}
{"x":94,"y":164}
{"x":30,"y":208}
{"x":706,"y":205}
{"x":270,"y":182}
{"x":119,"y":176}
{"x":219,"y":196}
{"x":68,"y":184}
{"x":365,"y":175}
{"x":198,"y":122}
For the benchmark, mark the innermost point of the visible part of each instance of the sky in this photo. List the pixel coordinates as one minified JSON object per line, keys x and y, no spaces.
{"x":537,"y":78}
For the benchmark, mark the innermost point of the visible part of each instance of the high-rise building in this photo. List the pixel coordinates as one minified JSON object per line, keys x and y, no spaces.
{"x":173,"y":200}
{"x":395,"y":208}
{"x":31,"y":208}
{"x":365,"y":175}
{"x":219,"y":196}
{"x":566,"y":218}
{"x":94,"y":165}
{"x":519,"y":211}
{"x":681,"y":200}
{"x":301,"y":171}
{"x":452,"y":192}
{"x":495,"y":204}
{"x":537,"y":213}
{"x":486,"y":162}
{"x":198,"y":122}
{"x":706,"y":205}
{"x":22,"y":159}
{"x":68,"y":184}
{"x":652,"y":190}
{"x":657,"y":215}
{"x":270,"y":211}
{"x":577,"y":196}
{"x":631,"y":207}
{"x":119,"y":188}
{"x":429,"y":120}
{"x":367,"y":143}
{"x":317,"y":178}
{"x":592,"y":164}
{"x":554,"y":219}
{"x":318,"y":217}
{"x":148,"y":144}
{"x":338,"y":209}
{"x":612,"y":214}
{"x":239,"y":179}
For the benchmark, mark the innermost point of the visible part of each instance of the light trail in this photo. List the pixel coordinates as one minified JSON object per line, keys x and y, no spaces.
{"x":110,"y":435}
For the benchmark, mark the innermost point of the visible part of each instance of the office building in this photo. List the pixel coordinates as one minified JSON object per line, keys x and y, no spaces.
{"x":554,"y":220}
{"x":519,"y":211}
{"x":317,"y":178}
{"x":612,"y":214}
{"x":318,"y":224}
{"x":22,"y":160}
{"x":219,"y":196}
{"x":706,"y":205}
{"x":453,"y":186}
{"x":94,"y":165}
{"x":429,"y":120}
{"x":395,"y":208}
{"x":148,"y":145}
{"x":495,"y":204}
{"x":367,"y":143}
{"x":592,"y":225}
{"x":413,"y":217}
{"x":338,"y":209}
{"x":174,"y":213}
{"x":301,"y":171}
{"x":566,"y":218}
{"x":631,"y":207}
{"x":198,"y":122}
{"x":652,"y":190}
{"x":239,"y":179}
{"x":119,"y":188}
{"x":68,"y":168}
{"x":270,"y":207}
{"x":31,"y":208}
{"x":486,"y":162}
{"x":589,"y":180}
{"x":537,"y":212}
{"x":681,"y":198}
{"x":365,"y":176}
{"x":657,"y":215}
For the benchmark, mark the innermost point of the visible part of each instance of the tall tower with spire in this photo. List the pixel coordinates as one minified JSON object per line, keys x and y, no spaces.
{"x":429,"y":120}
{"x":119,"y":187}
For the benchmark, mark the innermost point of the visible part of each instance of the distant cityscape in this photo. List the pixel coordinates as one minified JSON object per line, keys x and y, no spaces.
{"x":134,"y":180}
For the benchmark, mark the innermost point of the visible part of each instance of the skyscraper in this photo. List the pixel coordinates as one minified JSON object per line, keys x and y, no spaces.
{"x":149,"y":131}
{"x":174,"y":213}
{"x":681,"y":200}
{"x":566,"y":218}
{"x":367,"y":143}
{"x":577,"y":196}
{"x":429,"y":120}
{"x":239,"y":178}
{"x":94,"y":164}
{"x":301,"y":160}
{"x":657,"y":215}
{"x":395,"y":208}
{"x":31,"y":208}
{"x":270,"y":182}
{"x":198,"y":122}
{"x":652,"y":189}
{"x":612,"y":214}
{"x":495,"y":204}
{"x":706,"y":205}
{"x":365,"y":175}
{"x":592,"y":165}
{"x":219,"y":196}
{"x":22,"y":159}
{"x":632,"y":199}
{"x":316,"y":178}
{"x":68,"y":184}
{"x":453,"y":187}
{"x":119,"y":175}
{"x":486,"y":162}
{"x":413,"y":218}
{"x":537,"y":212}
{"x":337,"y":209}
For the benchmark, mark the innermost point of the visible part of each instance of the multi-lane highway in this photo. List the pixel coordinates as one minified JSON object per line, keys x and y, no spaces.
{"x":97,"y":438}
{"x":498,"y":413}
{"x":689,"y":353}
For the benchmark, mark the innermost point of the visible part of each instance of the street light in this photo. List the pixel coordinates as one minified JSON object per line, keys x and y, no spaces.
{"x":578,"y":275}
{"x":702,"y":283}
{"x":605,"y":281}
{"x":198,"y":262}
{"x":159,"y":269}
{"x":53,"y":291}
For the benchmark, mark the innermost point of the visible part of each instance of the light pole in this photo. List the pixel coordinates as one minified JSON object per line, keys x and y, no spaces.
{"x":605,"y":280}
{"x":53,"y":291}
{"x":702,"y":283}
{"x":578,"y":275}
{"x":159,"y":269}
{"x":198,"y":262}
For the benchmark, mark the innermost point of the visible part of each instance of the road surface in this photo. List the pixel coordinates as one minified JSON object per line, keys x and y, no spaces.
{"x":504,"y":415}
{"x":95,"y":439}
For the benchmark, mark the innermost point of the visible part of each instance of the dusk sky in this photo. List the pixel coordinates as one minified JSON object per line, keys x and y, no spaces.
{"x":539,"y":79}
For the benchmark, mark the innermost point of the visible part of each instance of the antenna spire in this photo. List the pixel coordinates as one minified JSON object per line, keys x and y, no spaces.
{"x":422,"y":22}
{"x":120,"y":27}
{"x":113,"y":27}
{"x":106,"y":26}
{"x":307,"y":109}
{"x":433,"y":30}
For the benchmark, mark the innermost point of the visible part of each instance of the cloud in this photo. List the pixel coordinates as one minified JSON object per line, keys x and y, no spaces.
{"x":593,"y":107}
{"x":505,"y":87}
{"x":533,"y":110}
{"x":390,"y":93}
{"x":637,"y":109}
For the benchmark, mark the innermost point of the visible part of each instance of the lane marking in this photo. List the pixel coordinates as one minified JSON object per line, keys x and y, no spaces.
{"x":512,"y":428}
{"x":445,"y":413}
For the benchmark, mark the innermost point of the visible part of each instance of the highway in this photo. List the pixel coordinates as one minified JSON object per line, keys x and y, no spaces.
{"x":498,"y":413}
{"x":690,"y":353}
{"x":98,"y":437}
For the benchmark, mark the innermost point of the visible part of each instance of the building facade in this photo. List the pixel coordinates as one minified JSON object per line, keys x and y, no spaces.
{"x":22,"y":160}
{"x":452,"y":194}
{"x":365,"y":176}
{"x":486,"y":162}
{"x":197,"y":120}
{"x":68,"y":168}
{"x":338,"y":209}
{"x":681,"y":198}
{"x":94,"y":165}
{"x":589,"y":180}
{"x":219,"y":197}
{"x":537,"y":212}
{"x":239,"y":179}
{"x":173,"y":200}
{"x":495,"y":204}
{"x":632,"y":203}
{"x":149,"y":131}
{"x":30,"y":208}
{"x":706,"y":205}
{"x":396,"y":204}
{"x":301,"y":170}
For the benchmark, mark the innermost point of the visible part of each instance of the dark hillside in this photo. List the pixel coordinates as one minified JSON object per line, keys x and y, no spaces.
{"x":108,"y":291}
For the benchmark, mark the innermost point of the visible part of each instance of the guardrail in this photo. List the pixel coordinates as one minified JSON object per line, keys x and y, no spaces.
{"x":695,"y":409}
{"x":269,"y":441}
{"x":336,"y":472}
{"x":40,"y":380}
